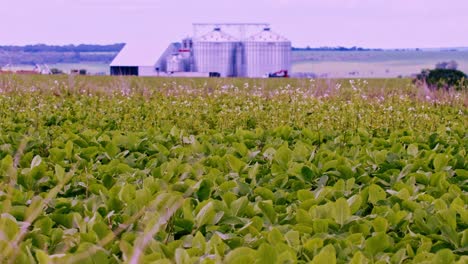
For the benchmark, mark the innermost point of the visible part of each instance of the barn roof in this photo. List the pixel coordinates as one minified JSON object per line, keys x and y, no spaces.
{"x":141,"y":54}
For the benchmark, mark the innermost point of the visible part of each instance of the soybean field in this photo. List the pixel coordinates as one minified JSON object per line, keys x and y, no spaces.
{"x":154,"y":170}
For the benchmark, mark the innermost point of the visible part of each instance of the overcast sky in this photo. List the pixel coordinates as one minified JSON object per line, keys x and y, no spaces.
{"x":365,"y":23}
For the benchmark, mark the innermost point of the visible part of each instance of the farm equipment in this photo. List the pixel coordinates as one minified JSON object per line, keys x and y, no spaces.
{"x":279,"y":74}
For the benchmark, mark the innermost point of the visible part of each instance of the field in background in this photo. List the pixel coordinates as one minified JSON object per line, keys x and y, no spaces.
{"x":159,"y":170}
{"x":334,"y":64}
{"x":97,"y":68}
{"x":373,"y":64}
{"x":92,"y":68}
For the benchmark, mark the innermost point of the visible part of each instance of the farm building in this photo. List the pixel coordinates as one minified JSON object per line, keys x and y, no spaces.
{"x":218,"y":50}
{"x":142,"y":60}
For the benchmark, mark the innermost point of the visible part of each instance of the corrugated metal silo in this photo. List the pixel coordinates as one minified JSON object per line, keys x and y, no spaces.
{"x":216,"y":52}
{"x":266,"y":52}
{"x":175,"y":63}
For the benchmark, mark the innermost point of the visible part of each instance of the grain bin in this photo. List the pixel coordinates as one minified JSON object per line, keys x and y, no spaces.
{"x":265,"y":53}
{"x":175,"y":63}
{"x":216,"y":52}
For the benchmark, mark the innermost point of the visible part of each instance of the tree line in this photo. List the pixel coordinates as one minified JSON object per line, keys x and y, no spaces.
{"x":66,"y":48}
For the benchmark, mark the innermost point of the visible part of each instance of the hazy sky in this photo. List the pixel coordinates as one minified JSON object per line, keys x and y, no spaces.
{"x":366,"y":23}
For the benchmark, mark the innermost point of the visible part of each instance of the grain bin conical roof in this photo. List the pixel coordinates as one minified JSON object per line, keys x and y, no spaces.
{"x":216,"y":36}
{"x":268,"y":36}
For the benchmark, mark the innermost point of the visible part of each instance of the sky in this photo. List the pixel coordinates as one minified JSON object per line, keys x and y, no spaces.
{"x":315,"y":23}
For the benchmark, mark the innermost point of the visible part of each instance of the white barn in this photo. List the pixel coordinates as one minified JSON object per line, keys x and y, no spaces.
{"x":142,"y":59}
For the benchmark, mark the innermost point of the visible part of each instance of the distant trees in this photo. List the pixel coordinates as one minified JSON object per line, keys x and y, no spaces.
{"x":444,"y":76}
{"x":56,"y":71}
{"x":447,"y":65}
{"x":339,"y":48}
{"x":67,"y":48}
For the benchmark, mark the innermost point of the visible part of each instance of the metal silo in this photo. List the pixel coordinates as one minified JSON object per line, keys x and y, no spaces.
{"x":266,"y":53}
{"x":216,"y":52}
{"x":175,"y":63}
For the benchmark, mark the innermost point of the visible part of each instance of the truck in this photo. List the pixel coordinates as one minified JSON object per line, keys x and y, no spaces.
{"x":279,"y":74}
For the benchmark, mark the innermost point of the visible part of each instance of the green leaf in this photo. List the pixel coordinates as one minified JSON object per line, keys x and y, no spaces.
{"x":265,"y":193}
{"x":342,"y":211}
{"x":266,"y":254}
{"x":44,"y":224}
{"x":128,"y":193}
{"x":380,"y":224}
{"x":241,"y":255}
{"x":204,"y":191}
{"x":69,"y":149}
{"x":6,"y":164}
{"x":413,"y":150}
{"x":376,"y":194}
{"x":464,"y":238}
{"x":253,"y":171}
{"x":93,"y":254}
{"x":377,"y":243}
{"x":101,"y":229}
{"x":313,"y":245}
{"x":399,"y":256}
{"x":444,"y":256}
{"x":320,"y":226}
{"x":424,"y":257}
{"x":42,"y":257}
{"x":326,"y":256}
{"x":426,"y":245}
{"x":286,"y":256}
{"x":235,"y":164}
{"x":462,"y":174}
{"x":304,"y":195}
{"x":112,"y":149}
{"x":240,"y":148}
{"x":330,"y":165}
{"x":345,"y":171}
{"x":283,"y":156}
{"x":293,"y":238}
{"x":307,"y":173}
{"x":97,"y":189}
{"x":56,"y":155}
{"x":359,"y":258}
{"x":440,"y":162}
{"x":268,"y":211}
{"x":9,"y":226}
{"x":36,"y":161}
{"x":238,"y":206}
{"x":206,"y":215}
{"x":354,"y":203}
{"x":182,"y":257}
{"x":56,"y":236}
{"x":65,"y":220}
{"x":19,"y":212}
{"x":59,"y":173}
{"x":199,"y":242}
{"x":275,"y":236}
{"x":303,"y":217}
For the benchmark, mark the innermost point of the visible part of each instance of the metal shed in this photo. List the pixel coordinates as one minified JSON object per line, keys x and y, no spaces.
{"x":142,"y":59}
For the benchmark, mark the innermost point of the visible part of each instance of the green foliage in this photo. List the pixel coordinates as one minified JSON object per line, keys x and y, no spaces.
{"x":445,"y":79}
{"x":56,"y":71}
{"x":165,"y":174}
